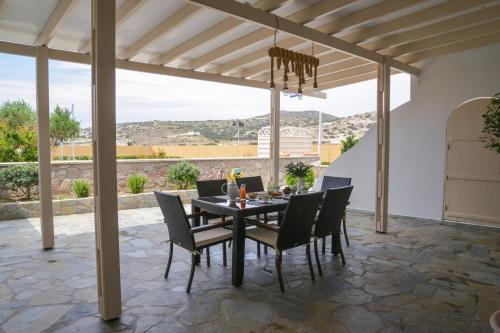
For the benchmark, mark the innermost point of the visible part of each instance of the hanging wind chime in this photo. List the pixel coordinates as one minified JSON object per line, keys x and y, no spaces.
{"x":293,"y":62}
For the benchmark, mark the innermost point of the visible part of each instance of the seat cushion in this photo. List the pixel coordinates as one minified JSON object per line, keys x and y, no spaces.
{"x":263,"y":235}
{"x":205,"y":238}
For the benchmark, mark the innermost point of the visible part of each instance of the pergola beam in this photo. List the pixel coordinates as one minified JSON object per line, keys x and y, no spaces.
{"x":453,"y":48}
{"x":62,"y":8}
{"x":337,"y":25}
{"x":303,"y":16}
{"x":413,"y":19}
{"x":211,"y":33}
{"x":126,"y":10}
{"x":167,"y":25}
{"x":252,"y":14}
{"x":43,"y":141}
{"x":83,"y":58}
{"x":443,"y":39}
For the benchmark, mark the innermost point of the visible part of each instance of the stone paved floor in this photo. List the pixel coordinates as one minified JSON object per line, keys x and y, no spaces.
{"x":420,"y":277}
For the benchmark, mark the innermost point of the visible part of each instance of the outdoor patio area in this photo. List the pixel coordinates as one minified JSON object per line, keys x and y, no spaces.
{"x":419,"y":277}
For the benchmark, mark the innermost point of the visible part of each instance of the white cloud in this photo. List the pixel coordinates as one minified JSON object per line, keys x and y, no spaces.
{"x":143,"y":96}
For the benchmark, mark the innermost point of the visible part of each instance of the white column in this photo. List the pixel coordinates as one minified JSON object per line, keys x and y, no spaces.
{"x":44,"y":172}
{"x":275,"y":137}
{"x":104,"y":154}
{"x":383,"y":140}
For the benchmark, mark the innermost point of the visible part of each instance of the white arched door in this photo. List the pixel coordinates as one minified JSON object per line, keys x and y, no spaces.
{"x":472,"y":175}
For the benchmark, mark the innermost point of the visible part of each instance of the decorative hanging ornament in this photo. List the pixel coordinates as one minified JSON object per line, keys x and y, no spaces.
{"x":293,"y":62}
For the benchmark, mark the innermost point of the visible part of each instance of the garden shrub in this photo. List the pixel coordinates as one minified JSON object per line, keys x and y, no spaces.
{"x":81,"y":187}
{"x":308,"y":179}
{"x":20,"y":178}
{"x":183,"y":175}
{"x":136,"y":183}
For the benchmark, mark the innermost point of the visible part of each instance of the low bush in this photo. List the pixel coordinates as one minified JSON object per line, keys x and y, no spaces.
{"x":81,"y":187}
{"x":183,"y":175}
{"x":348,"y":143}
{"x":136,"y":183}
{"x":21,"y":178}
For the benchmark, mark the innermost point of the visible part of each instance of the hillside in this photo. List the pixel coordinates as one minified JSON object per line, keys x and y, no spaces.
{"x":210,"y":131}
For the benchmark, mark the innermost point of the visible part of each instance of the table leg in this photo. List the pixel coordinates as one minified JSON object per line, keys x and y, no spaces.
{"x":238,"y":265}
{"x":196,"y":223}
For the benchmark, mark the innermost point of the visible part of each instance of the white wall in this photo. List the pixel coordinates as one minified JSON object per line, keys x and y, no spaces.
{"x":418,"y":128}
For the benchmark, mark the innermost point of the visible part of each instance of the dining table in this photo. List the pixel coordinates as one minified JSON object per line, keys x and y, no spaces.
{"x":220,"y":205}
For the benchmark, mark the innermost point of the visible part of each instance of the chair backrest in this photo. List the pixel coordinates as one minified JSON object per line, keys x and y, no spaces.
{"x":253,"y":183}
{"x":298,"y":220}
{"x":175,"y":217}
{"x":210,"y":188}
{"x":334,"y":182}
{"x":332,"y":211}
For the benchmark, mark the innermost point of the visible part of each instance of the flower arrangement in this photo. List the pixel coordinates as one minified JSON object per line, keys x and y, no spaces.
{"x":235,"y":173}
{"x":298,"y":170}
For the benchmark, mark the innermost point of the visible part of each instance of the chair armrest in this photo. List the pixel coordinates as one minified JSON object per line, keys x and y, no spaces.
{"x":210,"y":226}
{"x":199,"y":214}
{"x":262,"y":225}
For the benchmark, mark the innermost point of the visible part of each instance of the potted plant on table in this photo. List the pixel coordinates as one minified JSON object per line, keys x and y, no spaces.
{"x":298,"y":170}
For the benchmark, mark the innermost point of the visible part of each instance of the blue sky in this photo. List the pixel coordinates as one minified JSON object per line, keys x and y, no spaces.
{"x":142,"y":97}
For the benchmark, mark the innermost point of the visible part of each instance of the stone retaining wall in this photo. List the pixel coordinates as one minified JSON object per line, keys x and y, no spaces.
{"x":64,"y":172}
{"x":20,"y":210}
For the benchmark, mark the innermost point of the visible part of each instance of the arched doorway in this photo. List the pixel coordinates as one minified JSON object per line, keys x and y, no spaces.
{"x":472,"y":172}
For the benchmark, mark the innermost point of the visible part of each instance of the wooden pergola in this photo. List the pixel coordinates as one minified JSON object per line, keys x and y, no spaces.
{"x":226,"y":41}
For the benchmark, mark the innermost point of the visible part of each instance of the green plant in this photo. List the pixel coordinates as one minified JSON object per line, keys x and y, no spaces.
{"x":81,"y":187}
{"x":18,"y":139}
{"x":348,"y":143}
{"x":298,"y":169}
{"x":20,"y":178}
{"x":308,"y":179}
{"x":136,"y":183}
{"x":491,"y":127}
{"x":62,"y":126}
{"x":183,"y":175}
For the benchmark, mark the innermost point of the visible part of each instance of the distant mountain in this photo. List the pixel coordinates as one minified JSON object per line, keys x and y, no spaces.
{"x":212,"y":131}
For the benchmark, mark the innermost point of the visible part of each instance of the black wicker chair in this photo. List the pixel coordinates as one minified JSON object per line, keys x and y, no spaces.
{"x":255,"y":184}
{"x":330,"y":182}
{"x":195,"y":240}
{"x":295,"y":229}
{"x":329,"y":220}
{"x":211,"y":188}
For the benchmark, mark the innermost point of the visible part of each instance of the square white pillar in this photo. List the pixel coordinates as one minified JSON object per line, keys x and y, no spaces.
{"x":383,"y":140}
{"x":104,"y":158}
{"x":43,"y":128}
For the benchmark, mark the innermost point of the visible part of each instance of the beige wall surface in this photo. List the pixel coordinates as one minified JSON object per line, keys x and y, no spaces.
{"x":329,"y":152}
{"x":64,"y":172}
{"x":418,"y":135}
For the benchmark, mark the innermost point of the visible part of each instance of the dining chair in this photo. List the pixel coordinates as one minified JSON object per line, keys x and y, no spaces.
{"x":294,"y":230}
{"x":255,"y":184}
{"x":193,"y":239}
{"x":334,"y":182}
{"x":211,"y":188}
{"x":329,"y":220}
{"x":252,"y":183}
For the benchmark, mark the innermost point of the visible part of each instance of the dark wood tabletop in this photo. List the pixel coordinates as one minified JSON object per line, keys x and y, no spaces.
{"x":238,"y":211}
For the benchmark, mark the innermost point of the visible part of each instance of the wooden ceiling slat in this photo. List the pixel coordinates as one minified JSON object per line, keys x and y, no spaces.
{"x":462,"y":45}
{"x":48,"y":31}
{"x":168,"y":24}
{"x":126,"y":10}
{"x":303,"y":16}
{"x":214,"y":31}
